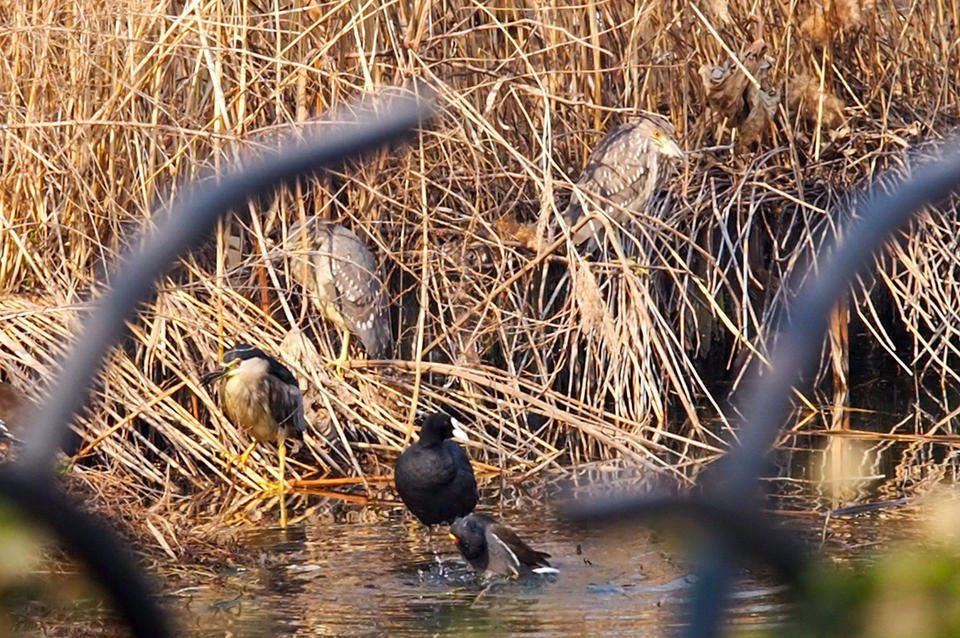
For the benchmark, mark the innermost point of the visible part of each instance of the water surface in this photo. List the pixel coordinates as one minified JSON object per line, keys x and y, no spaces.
{"x":377,"y":573}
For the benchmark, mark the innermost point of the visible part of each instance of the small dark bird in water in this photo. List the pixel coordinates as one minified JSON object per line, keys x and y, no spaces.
{"x":433,"y":476}
{"x":345,"y":286}
{"x":494,"y":550}
{"x":261,"y":396}
{"x":626,"y":168}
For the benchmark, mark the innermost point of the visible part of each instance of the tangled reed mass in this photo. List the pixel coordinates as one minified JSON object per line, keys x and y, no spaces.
{"x":551,"y":357}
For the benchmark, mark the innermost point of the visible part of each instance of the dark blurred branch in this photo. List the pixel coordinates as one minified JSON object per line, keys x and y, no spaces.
{"x":92,"y":542}
{"x":30,"y":482}
{"x":767,"y":400}
{"x":728,"y":504}
{"x":750,"y":533}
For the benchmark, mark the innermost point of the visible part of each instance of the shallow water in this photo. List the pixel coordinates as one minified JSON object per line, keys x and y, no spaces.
{"x":385,"y":577}
{"x":348,"y":568}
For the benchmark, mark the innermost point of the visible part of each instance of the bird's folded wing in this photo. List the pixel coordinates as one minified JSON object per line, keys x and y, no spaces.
{"x":286,"y":405}
{"x":519,"y":549}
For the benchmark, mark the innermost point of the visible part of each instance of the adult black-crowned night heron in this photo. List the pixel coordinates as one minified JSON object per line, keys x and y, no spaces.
{"x":343,"y":281}
{"x":261,"y":396}
{"x":493,"y":549}
{"x":433,"y":476}
{"x":626,"y":168}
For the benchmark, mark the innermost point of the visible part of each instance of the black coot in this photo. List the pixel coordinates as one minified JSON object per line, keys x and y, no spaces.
{"x":493,"y":549}
{"x":433,"y":476}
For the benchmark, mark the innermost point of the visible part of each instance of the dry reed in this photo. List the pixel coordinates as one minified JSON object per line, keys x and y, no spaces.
{"x":554,"y":358}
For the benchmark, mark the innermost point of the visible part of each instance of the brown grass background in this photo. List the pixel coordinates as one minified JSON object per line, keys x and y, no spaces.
{"x":105,"y":107}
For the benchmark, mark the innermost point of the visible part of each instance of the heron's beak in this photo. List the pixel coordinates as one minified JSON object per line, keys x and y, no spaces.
{"x":672,"y":149}
{"x":453,"y":537}
{"x":458,"y":432}
{"x":210,"y":377}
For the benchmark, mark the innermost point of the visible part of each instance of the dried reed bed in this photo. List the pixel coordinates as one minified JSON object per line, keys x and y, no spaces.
{"x":554,"y":358}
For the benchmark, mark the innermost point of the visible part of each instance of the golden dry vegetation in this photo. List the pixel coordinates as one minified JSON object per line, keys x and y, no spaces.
{"x":784,"y":106}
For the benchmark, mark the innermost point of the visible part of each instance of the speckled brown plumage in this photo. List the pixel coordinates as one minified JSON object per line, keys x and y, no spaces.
{"x":345,"y":284}
{"x":626,"y":168}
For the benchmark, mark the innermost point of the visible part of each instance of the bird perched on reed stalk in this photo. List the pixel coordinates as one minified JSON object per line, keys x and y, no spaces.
{"x":626,"y":168}
{"x":261,"y":396}
{"x":344,"y":284}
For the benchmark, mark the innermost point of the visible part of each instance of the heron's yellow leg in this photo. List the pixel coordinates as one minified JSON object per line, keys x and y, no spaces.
{"x":337,"y":364}
{"x":242,"y":459}
{"x":282,"y":488}
{"x":246,"y":454}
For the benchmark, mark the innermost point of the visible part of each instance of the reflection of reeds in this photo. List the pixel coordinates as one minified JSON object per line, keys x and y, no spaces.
{"x":114,"y":105}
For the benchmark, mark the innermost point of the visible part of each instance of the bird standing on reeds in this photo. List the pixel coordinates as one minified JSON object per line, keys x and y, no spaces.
{"x":344,"y":284}
{"x":261,"y":396}
{"x":625,"y":169}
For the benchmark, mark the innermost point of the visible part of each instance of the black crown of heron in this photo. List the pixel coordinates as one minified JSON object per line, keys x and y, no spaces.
{"x":261,"y":396}
{"x":625,"y":169}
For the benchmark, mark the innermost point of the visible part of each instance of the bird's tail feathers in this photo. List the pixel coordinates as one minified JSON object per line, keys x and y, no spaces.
{"x":379,"y":342}
{"x":588,"y":231}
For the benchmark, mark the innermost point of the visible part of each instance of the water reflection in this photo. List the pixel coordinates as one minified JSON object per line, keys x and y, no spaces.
{"x":379,"y":574}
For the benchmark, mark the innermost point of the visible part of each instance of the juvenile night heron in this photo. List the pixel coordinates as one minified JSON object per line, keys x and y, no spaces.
{"x":626,"y":168}
{"x":261,"y":396}
{"x":345,"y":286}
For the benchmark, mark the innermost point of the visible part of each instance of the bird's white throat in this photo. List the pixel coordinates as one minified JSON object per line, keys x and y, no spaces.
{"x":250,"y":371}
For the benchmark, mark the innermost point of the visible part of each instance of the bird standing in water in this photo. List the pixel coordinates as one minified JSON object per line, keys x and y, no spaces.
{"x":493,"y":549}
{"x":433,"y":476}
{"x":261,"y":396}
{"x":344,"y":284}
{"x":626,"y":168}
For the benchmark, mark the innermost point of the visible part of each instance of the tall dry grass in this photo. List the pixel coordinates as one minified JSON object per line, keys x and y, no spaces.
{"x":555,"y":358}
